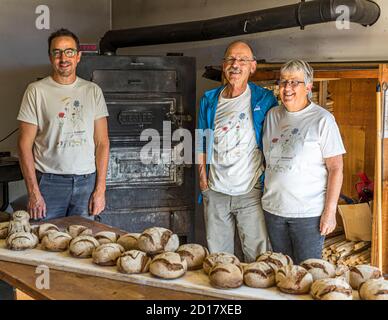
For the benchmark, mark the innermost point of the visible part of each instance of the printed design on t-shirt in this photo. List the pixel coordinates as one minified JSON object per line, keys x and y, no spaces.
{"x":71,"y":124}
{"x":283,"y":150}
{"x":229,"y":142}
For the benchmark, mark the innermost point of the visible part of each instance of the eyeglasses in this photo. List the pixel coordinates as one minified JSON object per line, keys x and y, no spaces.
{"x":240,"y":61}
{"x":293,"y":83}
{"x":69,"y":52}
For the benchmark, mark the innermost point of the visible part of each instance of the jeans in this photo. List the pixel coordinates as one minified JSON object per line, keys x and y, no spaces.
{"x":66,"y":195}
{"x":298,"y":238}
{"x":223,"y":212}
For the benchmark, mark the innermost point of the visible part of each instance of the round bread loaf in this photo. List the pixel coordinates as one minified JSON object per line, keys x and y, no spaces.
{"x":44,"y":228}
{"x":129,"y":241}
{"x":275,"y":260}
{"x":107,"y":254}
{"x":331,"y":289}
{"x":21,"y":215}
{"x":219,"y":257}
{"x":77,"y":230}
{"x":342,"y":271}
{"x":21,"y":241}
{"x":226,"y":276}
{"x":361,"y":273}
{"x":259,"y":275}
{"x":194,"y":255}
{"x":168,"y":265}
{"x":319,"y":269}
{"x":156,"y":240}
{"x":4,"y":230}
{"x":56,"y":241}
{"x":293,"y":279}
{"x":83,"y":246}
{"x":374,"y":289}
{"x":133,"y":261}
{"x":106,"y":237}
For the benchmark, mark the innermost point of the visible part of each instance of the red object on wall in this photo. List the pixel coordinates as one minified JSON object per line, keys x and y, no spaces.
{"x":364,"y":188}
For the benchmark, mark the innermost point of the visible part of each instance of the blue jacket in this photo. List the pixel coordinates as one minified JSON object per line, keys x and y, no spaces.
{"x":261,"y":101}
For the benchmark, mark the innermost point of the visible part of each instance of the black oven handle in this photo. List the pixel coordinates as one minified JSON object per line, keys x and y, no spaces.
{"x":135,"y":82}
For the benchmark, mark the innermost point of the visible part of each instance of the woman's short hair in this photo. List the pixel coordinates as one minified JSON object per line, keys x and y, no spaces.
{"x":296,"y":65}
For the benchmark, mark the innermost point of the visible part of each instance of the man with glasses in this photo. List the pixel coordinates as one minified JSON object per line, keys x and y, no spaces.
{"x":63,"y":142}
{"x":230,"y":156}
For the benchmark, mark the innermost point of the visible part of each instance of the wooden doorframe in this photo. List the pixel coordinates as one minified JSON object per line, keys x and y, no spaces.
{"x":379,"y":255}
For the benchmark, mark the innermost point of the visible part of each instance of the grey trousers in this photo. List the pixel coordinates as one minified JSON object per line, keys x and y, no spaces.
{"x":223,"y":212}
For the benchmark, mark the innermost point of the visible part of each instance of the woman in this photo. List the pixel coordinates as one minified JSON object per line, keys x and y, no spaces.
{"x":303,"y":178}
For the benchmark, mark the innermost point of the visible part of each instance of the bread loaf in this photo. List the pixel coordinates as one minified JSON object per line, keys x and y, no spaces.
{"x":83,"y":246}
{"x":129,"y":241}
{"x":21,"y":241}
{"x":343,"y":271}
{"x":220,"y":257}
{"x":56,"y":241}
{"x":319,"y":269}
{"x":331,"y":289}
{"x":293,"y":279}
{"x":4,"y":230}
{"x":226,"y":276}
{"x":133,"y":261}
{"x":275,"y":260}
{"x":361,"y":273}
{"x":194,"y":255}
{"x":168,"y":265}
{"x":259,"y":275}
{"x":107,"y":254}
{"x":77,"y":230}
{"x":44,"y":228}
{"x":106,"y":237}
{"x":156,"y":240}
{"x":374,"y":289}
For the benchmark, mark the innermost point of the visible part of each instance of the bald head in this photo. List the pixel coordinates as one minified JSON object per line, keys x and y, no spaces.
{"x":239,"y":43}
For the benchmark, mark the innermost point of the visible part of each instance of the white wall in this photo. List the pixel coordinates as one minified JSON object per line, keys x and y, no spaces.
{"x":23,"y":52}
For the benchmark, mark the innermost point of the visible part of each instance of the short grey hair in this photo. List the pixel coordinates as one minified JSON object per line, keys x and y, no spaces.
{"x":296,"y":65}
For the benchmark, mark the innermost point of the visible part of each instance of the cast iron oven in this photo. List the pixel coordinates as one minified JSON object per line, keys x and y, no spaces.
{"x":142,"y":92}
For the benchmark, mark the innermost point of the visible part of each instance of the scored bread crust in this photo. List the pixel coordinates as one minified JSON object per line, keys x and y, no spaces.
{"x":133,"y":261}
{"x":156,"y":240}
{"x":168,"y":265}
{"x":293,"y":279}
{"x":219,"y":257}
{"x":83,"y":246}
{"x":226,"y":276}
{"x":194,"y":255}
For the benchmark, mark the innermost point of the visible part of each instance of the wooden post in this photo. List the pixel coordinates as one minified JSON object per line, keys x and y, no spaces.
{"x":380,"y":205}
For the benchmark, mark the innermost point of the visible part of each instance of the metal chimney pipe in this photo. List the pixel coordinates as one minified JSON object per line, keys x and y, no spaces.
{"x":364,"y":12}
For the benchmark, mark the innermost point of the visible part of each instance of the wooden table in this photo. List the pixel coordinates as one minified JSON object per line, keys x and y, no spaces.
{"x":72,"y":286}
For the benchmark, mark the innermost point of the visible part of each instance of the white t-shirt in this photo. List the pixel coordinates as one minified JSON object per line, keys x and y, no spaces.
{"x":295,"y":146}
{"x":236,"y":162}
{"x":64,"y":115}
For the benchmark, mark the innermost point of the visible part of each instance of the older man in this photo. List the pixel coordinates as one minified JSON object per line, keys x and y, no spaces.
{"x":230,"y":157}
{"x":63,"y":142}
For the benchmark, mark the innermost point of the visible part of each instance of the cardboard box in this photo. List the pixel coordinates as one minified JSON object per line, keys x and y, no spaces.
{"x":357,"y":221}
